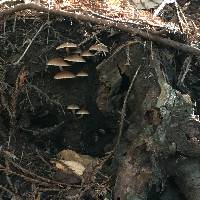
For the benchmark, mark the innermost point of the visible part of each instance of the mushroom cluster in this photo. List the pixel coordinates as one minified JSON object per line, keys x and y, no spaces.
{"x":66,"y":62}
{"x":77,"y":110}
{"x":76,"y":56}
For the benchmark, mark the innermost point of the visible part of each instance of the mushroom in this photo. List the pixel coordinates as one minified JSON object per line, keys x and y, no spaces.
{"x":86,"y":53}
{"x":64,"y":75}
{"x":99,"y":48}
{"x":67,"y":45}
{"x":73,"y":108}
{"x":82,"y":112}
{"x":74,"y":58}
{"x":77,"y":51}
{"x":82,"y":74}
{"x":58,"y":62}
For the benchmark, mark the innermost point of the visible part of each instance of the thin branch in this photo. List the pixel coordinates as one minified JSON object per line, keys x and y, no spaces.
{"x":9,"y":191}
{"x":123,"y":111}
{"x":29,"y":173}
{"x":184,"y":71}
{"x":18,"y":61}
{"x":47,"y":98}
{"x":25,"y":177}
{"x":104,"y":22}
{"x":115,"y":52}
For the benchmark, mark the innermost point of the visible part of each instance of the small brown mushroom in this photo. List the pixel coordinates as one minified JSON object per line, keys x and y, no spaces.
{"x":67,"y":45}
{"x":87,"y":53}
{"x":82,"y":112}
{"x":73,"y":108}
{"x":64,"y":75}
{"x":58,"y":62}
{"x":74,"y":58}
{"x":99,"y":47}
{"x":81,"y":74}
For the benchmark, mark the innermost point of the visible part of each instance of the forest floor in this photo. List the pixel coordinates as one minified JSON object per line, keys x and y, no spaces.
{"x":141,"y":138}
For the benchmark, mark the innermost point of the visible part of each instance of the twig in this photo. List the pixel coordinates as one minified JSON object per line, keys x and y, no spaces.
{"x":31,"y":177}
{"x":160,"y":7}
{"x":4,"y":27}
{"x":44,"y":131}
{"x":51,"y":189}
{"x":116,"y":51}
{"x":43,"y":179}
{"x":18,"y":61}
{"x":9,"y":191}
{"x":181,"y":22}
{"x":184,"y":71}
{"x":14,"y":24}
{"x":104,"y":22}
{"x":26,"y":177}
{"x":7,"y":175}
{"x":43,"y":160}
{"x":94,"y":35}
{"x":123,"y":111}
{"x":45,"y":96}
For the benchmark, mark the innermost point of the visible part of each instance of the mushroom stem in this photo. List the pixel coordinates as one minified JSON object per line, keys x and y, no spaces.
{"x":61,"y":68}
{"x":74,"y":112}
{"x":81,"y":116}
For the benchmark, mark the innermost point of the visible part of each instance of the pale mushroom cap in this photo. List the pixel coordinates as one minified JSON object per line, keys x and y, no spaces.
{"x":87,"y":53}
{"x":74,"y":58}
{"x":66,"y":45}
{"x":82,"y":112}
{"x":77,"y":167}
{"x":64,"y":75}
{"x":82,"y":74}
{"x":99,"y":47}
{"x":58,"y":62}
{"x":73,"y":107}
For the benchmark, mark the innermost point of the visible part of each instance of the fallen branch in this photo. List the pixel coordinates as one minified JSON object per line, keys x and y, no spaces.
{"x":104,"y":22}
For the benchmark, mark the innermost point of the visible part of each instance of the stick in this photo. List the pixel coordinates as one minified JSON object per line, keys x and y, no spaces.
{"x":123,"y":111}
{"x":18,"y":61}
{"x":184,"y":71}
{"x":104,"y":22}
{"x":9,"y":191}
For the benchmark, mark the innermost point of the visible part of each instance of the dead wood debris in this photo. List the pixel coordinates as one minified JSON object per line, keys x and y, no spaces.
{"x":109,"y":23}
{"x":166,"y":133}
{"x":160,"y":124}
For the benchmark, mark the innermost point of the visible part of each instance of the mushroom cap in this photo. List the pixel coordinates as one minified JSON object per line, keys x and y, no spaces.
{"x":86,"y":53}
{"x":82,"y":112}
{"x":74,"y":58}
{"x":64,"y":75}
{"x":58,"y":62}
{"x":82,"y":74}
{"x":66,"y":45}
{"x":99,"y":47}
{"x":73,"y":107}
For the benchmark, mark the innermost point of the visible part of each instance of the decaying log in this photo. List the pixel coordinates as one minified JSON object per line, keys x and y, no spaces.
{"x":135,"y":176}
{"x":186,"y":173}
{"x":159,"y":122}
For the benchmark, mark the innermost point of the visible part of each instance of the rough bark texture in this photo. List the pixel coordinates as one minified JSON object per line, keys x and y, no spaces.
{"x":159,"y":123}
